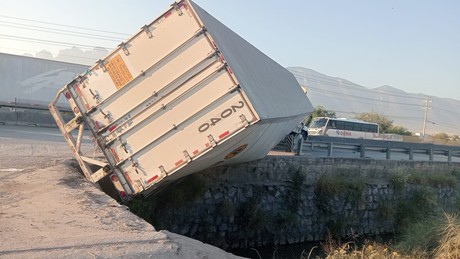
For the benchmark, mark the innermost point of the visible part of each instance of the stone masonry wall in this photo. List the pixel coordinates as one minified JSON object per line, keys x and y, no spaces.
{"x":286,"y":200}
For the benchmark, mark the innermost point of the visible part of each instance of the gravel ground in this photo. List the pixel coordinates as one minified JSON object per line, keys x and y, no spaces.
{"x":48,"y":210}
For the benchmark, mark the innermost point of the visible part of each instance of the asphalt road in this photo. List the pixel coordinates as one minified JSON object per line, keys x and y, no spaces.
{"x":33,"y":133}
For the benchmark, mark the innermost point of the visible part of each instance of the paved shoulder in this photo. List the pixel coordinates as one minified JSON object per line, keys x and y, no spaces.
{"x":47,"y":210}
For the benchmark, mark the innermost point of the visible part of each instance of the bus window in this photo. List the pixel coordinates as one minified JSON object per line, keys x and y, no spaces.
{"x":374,"y":128}
{"x":348,"y":125}
{"x":318,"y":123}
{"x":332,"y":124}
{"x":357,"y":127}
{"x":340,"y":125}
{"x":366,"y":128}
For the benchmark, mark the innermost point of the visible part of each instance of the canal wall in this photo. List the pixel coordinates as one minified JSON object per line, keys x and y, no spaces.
{"x":286,"y":200}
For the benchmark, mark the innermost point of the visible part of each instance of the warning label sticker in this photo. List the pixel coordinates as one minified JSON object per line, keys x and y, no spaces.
{"x":118,"y":71}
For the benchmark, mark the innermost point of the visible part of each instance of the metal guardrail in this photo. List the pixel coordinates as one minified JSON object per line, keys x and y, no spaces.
{"x":31,"y":106}
{"x":331,"y":145}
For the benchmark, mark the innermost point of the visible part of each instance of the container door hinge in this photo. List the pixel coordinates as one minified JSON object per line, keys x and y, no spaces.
{"x":106,"y":115}
{"x":94,"y":94}
{"x":124,"y":145}
{"x":147,"y":31}
{"x":81,"y":79}
{"x":134,"y":164}
{"x":177,"y":8}
{"x":101,"y":64}
{"x":244,"y":120}
{"x":124,"y":47}
{"x":163,"y":171}
{"x":212,"y":141}
{"x":187,"y":156}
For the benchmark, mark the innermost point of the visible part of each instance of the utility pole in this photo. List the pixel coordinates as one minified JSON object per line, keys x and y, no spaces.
{"x":425,"y":119}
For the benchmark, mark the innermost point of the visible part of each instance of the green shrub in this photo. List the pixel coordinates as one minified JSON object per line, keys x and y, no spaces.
{"x":418,"y":235}
{"x":287,"y":218}
{"x":141,"y":207}
{"x":328,"y":187}
{"x":295,"y":185}
{"x":250,"y":214}
{"x":443,"y":180}
{"x":346,"y":190}
{"x":226,"y":209}
{"x":419,"y":204}
{"x":400,"y":178}
{"x":386,"y":211}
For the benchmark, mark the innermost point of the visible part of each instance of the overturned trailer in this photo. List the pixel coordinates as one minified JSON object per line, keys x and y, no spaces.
{"x":183,"y":94}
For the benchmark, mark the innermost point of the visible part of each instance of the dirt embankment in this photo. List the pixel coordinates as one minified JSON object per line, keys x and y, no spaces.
{"x":47,"y":210}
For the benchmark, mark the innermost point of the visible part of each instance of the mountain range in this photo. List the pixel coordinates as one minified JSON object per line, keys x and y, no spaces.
{"x":348,"y":99}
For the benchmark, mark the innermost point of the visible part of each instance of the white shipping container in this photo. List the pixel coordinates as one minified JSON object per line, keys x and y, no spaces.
{"x":183,"y":94}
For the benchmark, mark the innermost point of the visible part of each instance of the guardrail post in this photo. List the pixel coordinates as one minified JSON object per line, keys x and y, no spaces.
{"x":411,"y":153}
{"x":299,"y":144}
{"x":329,"y":149}
{"x":431,"y":154}
{"x":363,"y":151}
{"x":449,"y":155}
{"x":388,"y":153}
{"x":289,"y":142}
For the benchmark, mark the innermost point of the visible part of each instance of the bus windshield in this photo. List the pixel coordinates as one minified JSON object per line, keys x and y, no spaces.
{"x":318,"y":123}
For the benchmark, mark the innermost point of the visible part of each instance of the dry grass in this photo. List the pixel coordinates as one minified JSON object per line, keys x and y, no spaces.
{"x":367,"y":251}
{"x":444,"y":243}
{"x":449,"y":238}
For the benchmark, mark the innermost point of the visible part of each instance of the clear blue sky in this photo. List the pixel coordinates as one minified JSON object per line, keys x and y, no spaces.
{"x":413,"y":45}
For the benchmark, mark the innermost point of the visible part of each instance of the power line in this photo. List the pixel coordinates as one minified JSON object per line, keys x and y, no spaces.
{"x":57,"y":31}
{"x":341,"y":97}
{"x":447,"y":125}
{"x":445,"y":110}
{"x":54,"y":55}
{"x":63,"y":25}
{"x":333,"y":83}
{"x":361,"y":97}
{"x":49,"y":42}
{"x":390,"y":116}
{"x":342,"y":84}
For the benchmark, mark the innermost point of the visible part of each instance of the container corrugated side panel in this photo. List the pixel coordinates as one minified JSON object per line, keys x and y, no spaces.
{"x":271,"y":88}
{"x":155,"y":110}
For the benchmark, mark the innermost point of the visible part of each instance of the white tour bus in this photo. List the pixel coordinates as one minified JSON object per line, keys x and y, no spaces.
{"x":341,"y":127}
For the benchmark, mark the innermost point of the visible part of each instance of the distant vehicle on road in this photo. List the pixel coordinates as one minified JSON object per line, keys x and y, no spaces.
{"x":348,"y":128}
{"x":342,"y":127}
